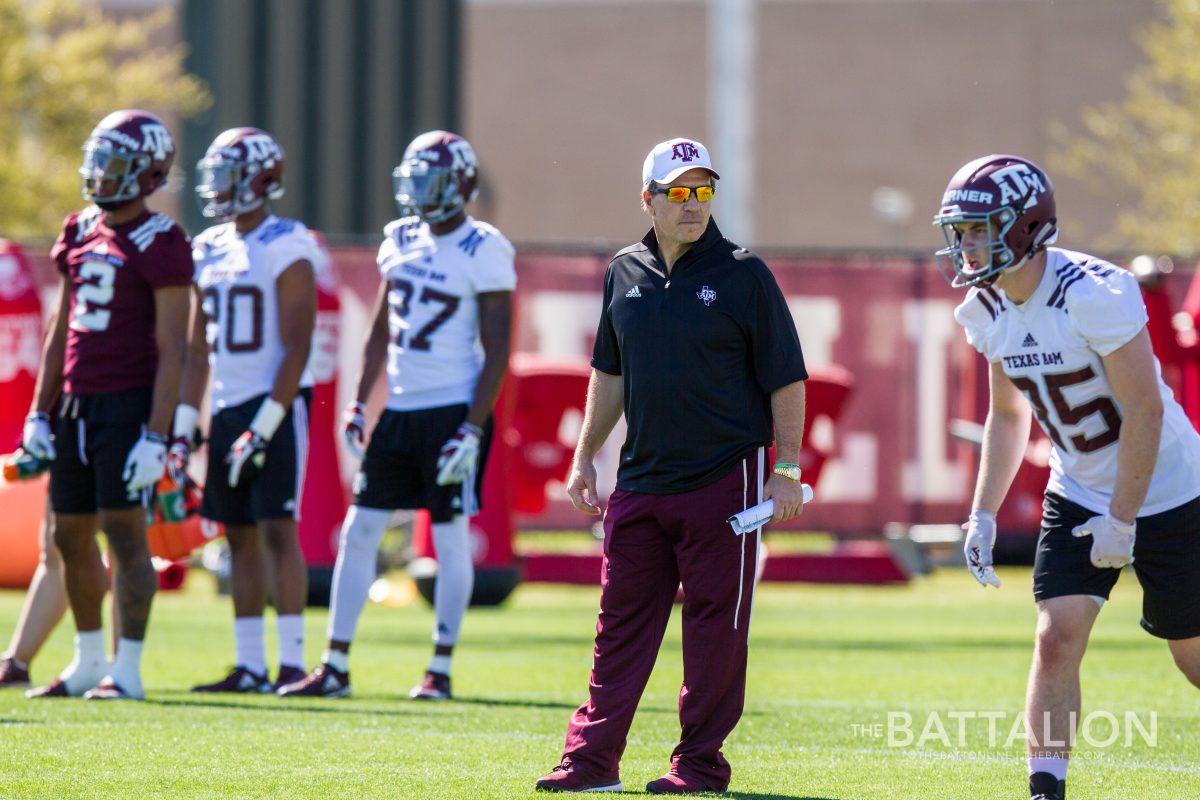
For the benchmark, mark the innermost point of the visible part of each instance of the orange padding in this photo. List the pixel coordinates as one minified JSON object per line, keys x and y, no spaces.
{"x":22,"y":505}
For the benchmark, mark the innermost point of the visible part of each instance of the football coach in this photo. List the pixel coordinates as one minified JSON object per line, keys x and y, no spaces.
{"x":696,"y":346}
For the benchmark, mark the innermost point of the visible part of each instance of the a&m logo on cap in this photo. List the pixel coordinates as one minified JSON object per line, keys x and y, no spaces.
{"x":685,"y":151}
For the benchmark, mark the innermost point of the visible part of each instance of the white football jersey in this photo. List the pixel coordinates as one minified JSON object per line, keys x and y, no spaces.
{"x":434,"y":353}
{"x":236,"y":275}
{"x":1051,"y":347}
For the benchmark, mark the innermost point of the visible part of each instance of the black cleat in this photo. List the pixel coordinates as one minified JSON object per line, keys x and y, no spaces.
{"x":1044,"y":786}
{"x":12,"y":674}
{"x":55,"y":688}
{"x":288,"y":676}
{"x":239,"y":681}
{"x":324,"y":681}
{"x":434,"y":686}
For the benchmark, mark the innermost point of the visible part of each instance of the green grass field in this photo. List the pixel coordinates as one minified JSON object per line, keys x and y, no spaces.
{"x":825,"y":664}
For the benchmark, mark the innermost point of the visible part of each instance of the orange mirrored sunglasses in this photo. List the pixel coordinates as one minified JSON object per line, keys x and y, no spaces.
{"x":680,"y":194}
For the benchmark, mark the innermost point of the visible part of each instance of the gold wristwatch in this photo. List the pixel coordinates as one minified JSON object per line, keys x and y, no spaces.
{"x":786,"y":470}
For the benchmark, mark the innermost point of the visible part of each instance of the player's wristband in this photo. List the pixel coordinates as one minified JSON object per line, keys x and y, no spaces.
{"x":267,"y":420}
{"x":186,"y":418}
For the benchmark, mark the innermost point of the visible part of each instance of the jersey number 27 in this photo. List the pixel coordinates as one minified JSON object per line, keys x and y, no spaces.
{"x":401,"y":298}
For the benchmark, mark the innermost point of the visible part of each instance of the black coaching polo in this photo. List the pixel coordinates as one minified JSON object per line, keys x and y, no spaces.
{"x":700,"y":352}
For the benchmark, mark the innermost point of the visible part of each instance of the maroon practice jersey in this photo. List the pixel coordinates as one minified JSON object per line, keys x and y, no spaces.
{"x":113,"y":272}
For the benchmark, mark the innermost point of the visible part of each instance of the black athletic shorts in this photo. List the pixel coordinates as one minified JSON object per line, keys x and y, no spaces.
{"x":274,"y":493}
{"x":400,"y":467}
{"x":1166,"y":559}
{"x":93,"y":435}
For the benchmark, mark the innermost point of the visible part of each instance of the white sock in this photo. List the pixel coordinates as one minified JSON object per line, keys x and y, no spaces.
{"x":291,"y":640}
{"x":439,"y":664}
{"x":248,"y":642}
{"x":1055,"y":766}
{"x":455,"y":578}
{"x":89,"y":666}
{"x":354,"y":572}
{"x":127,"y":669}
{"x":338,"y":659}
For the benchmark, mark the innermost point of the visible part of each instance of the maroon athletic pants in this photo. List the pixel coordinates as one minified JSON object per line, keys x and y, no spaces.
{"x":651,"y":544}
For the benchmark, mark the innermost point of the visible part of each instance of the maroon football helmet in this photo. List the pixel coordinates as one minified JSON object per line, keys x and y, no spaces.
{"x":437,"y":177}
{"x":242,"y":168}
{"x":126,"y":156}
{"x":1014,"y":198}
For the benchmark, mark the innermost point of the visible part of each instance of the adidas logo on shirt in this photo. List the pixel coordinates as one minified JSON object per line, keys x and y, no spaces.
{"x":1029,"y":341}
{"x":634,"y":292}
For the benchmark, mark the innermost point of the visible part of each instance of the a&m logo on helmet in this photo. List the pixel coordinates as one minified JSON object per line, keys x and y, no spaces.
{"x":464,"y":156}
{"x":684,"y":151}
{"x":1018,"y":182}
{"x":261,"y":147}
{"x":156,"y":139}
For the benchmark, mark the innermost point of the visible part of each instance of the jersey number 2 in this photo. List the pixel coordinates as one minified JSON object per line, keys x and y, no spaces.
{"x":1072,"y":415}
{"x":90,"y":295}
{"x":449,"y":302}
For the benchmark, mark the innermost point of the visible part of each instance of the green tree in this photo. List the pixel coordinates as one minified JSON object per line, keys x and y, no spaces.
{"x":64,"y":66}
{"x":1146,"y":146}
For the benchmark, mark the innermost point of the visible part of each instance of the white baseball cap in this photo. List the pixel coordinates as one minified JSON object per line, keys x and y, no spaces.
{"x":670,"y":159}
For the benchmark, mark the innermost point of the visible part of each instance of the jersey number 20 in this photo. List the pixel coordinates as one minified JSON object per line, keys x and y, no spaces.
{"x":241,"y":303}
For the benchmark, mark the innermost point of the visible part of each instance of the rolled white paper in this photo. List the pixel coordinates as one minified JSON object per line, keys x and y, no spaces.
{"x":760,"y":514}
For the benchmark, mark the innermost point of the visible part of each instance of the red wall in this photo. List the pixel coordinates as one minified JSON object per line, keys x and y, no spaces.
{"x":887,"y":320}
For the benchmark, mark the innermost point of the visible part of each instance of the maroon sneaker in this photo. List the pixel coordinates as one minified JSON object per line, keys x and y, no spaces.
{"x":324,"y":681}
{"x":239,"y":681}
{"x":434,"y":686}
{"x":564,"y":778}
{"x":12,"y":674}
{"x":674,"y":783}
{"x":288,"y":675}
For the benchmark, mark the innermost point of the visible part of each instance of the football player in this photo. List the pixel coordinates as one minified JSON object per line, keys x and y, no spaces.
{"x":1068,"y":332}
{"x":44,"y":607}
{"x":254,"y":271}
{"x":114,"y":352}
{"x":447,"y":289}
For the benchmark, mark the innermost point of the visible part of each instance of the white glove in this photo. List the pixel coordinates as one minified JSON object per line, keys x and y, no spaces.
{"x":248,"y":454}
{"x":981,"y":536}
{"x":246,"y":457}
{"x":459,"y":454}
{"x":37,"y":438}
{"x":1112,"y":540}
{"x":146,"y":462}
{"x":354,"y":428}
